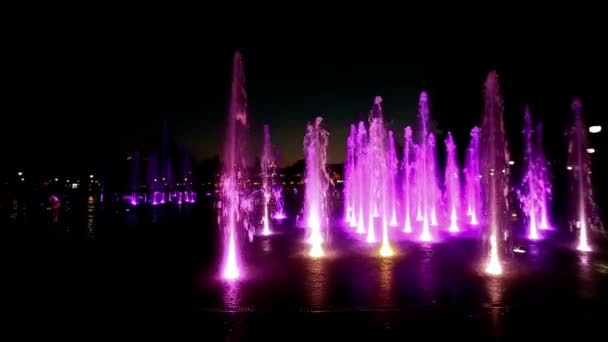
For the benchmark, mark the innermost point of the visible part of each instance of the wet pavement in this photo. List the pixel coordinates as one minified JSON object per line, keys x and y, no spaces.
{"x":156,"y":274}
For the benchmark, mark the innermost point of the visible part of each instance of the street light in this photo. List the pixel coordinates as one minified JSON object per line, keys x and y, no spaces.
{"x":590,"y":150}
{"x":595,"y":129}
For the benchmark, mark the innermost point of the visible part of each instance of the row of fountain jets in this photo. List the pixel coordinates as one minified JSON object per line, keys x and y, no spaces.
{"x":381,"y":190}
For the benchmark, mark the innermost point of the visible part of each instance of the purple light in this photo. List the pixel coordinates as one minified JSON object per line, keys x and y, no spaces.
{"x":133,"y":199}
{"x":279,"y":216}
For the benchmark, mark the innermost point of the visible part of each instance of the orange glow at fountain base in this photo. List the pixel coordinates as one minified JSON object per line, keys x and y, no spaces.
{"x":493,"y":267}
{"x":583,"y":241}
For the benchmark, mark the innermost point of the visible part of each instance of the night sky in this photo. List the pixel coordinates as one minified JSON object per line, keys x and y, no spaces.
{"x":106,"y":86}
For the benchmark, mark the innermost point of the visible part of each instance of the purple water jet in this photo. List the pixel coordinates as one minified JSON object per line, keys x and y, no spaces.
{"x":473,"y":178}
{"x":407,"y":175}
{"x":545,"y":186}
{"x":361,"y":182}
{"x":452,"y":184}
{"x":393,"y":164}
{"x":349,"y":181}
{"x":579,"y":165}
{"x":425,"y":178}
{"x":532,"y":197}
{"x":266,"y":164}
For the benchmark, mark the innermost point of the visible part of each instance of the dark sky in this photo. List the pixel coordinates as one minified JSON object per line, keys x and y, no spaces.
{"x":105,"y":85}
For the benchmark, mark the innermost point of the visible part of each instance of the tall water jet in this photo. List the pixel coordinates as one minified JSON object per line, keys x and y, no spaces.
{"x":376,"y":167}
{"x":530,"y":195}
{"x":316,"y":185}
{"x":452,"y":184}
{"x":234,"y":172}
{"x":361,"y":181}
{"x":349,"y":178}
{"x":407,"y":174}
{"x":545,"y":187}
{"x":135,"y":160}
{"x":473,"y":178}
{"x":393,"y":164}
{"x":423,"y":168}
{"x":579,"y":164}
{"x":495,"y":173}
{"x":266,"y":161}
{"x":431,"y":179}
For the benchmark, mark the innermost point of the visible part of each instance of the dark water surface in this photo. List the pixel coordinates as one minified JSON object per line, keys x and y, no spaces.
{"x":103,"y":271}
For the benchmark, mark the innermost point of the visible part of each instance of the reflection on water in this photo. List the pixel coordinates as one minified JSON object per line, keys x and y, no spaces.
{"x":231,"y":294}
{"x":316,"y":280}
{"x":426,"y":274}
{"x":495,"y":287}
{"x":387,"y":268}
{"x":266,"y":246}
{"x":91,"y":217}
{"x":585,"y":276}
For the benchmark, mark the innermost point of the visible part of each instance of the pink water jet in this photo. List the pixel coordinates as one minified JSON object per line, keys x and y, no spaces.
{"x":316,"y":186}
{"x":473,"y":178}
{"x":530,"y":196}
{"x":579,"y":162}
{"x":425,"y":179}
{"x":234,"y":208}
{"x":393,"y":165}
{"x":266,"y":163}
{"x":349,"y":181}
{"x":360,"y":177}
{"x":495,"y":175}
{"x":407,"y":174}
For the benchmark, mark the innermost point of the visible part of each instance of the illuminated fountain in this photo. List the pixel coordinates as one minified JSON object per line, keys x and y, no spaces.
{"x":316,"y":186}
{"x":234,"y":211}
{"x":134,"y":178}
{"x":267,"y":161}
{"x":425,"y":180}
{"x":360,"y":179}
{"x":495,"y":174}
{"x":433,"y":193}
{"x":473,"y":178}
{"x":376,"y":164}
{"x":279,"y":206}
{"x":452,"y":184}
{"x":579,"y":165}
{"x":371,"y":175}
{"x":407,"y":175}
{"x":535,"y":184}
{"x":544,"y":184}
{"x":349,"y":179}
{"x":393,"y":164}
